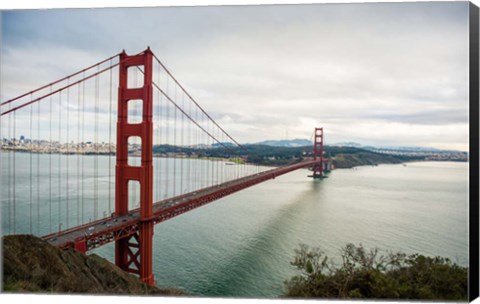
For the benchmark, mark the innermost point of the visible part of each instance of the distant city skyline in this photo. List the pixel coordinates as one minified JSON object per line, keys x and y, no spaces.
{"x":278,"y":142}
{"x":382,"y":74}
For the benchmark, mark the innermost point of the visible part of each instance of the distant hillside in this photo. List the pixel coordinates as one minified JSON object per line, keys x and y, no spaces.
{"x":286,"y":143}
{"x":343,"y":157}
{"x":390,"y":148}
{"x":349,"y":157}
{"x":32,"y":265}
{"x":366,"y":158}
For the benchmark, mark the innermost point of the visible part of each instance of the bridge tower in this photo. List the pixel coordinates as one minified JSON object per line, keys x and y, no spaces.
{"x":318,"y":153}
{"x":134,"y":253}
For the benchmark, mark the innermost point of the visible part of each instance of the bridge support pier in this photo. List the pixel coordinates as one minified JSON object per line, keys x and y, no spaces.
{"x":134,"y":253}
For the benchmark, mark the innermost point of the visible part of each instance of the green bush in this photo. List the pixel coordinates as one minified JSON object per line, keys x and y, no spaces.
{"x":370,"y":274}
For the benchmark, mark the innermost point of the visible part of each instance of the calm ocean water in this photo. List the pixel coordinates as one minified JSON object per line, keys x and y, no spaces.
{"x":242,"y":245}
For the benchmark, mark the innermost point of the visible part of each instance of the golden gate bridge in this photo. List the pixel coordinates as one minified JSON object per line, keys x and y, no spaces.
{"x":159,"y":129}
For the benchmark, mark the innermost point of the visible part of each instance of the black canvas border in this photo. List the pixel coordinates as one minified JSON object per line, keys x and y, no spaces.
{"x":473,"y":288}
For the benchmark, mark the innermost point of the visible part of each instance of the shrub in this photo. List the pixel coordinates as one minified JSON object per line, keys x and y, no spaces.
{"x":371,"y":274}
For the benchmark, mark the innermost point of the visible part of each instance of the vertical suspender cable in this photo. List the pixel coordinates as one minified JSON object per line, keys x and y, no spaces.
{"x":159,"y":138}
{"x":240,"y":167}
{"x":203,"y":166}
{"x":213,"y":161}
{"x":156,"y":138}
{"x":110,"y":144}
{"x":201,"y":172}
{"x":163,"y":139}
{"x":59,"y":160}
{"x":196,"y":161}
{"x":219,"y":160}
{"x":226,"y":155}
{"x":156,"y":148}
{"x":222,"y":171}
{"x":66,"y":157}
{"x":83,"y":154}
{"x":31,"y":165}
{"x":175,"y":147}
{"x":244,"y":162}
{"x":78,"y":153}
{"x":155,"y":135}
{"x":9,"y":162}
{"x":212,"y":147}
{"x":50,"y":167}
{"x":167,"y":145}
{"x":229,"y":155}
{"x":190,"y":160}
{"x":196,"y":167}
{"x":228,"y":174}
{"x":218,"y":153}
{"x":14,"y":173}
{"x":215,"y":158}
{"x":209,"y":157}
{"x":206,"y":164}
{"x":221,"y":163}
{"x":246,"y":166}
{"x":38,"y":168}
{"x":96,"y":145}
{"x":200,"y":153}
{"x":182,"y":160}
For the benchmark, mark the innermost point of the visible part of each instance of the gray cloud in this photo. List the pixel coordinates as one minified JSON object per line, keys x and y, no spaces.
{"x":263,"y":70}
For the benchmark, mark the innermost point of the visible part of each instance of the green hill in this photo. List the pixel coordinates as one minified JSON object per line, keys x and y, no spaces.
{"x":364,"y":158}
{"x":32,"y":265}
{"x":343,"y":157}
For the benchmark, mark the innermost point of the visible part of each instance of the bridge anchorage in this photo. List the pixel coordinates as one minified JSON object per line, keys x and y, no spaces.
{"x":163,"y":194}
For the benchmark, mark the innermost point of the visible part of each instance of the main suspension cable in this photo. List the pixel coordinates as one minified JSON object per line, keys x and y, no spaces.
{"x":59,"y":90}
{"x":196,"y":103}
{"x":60,"y":80}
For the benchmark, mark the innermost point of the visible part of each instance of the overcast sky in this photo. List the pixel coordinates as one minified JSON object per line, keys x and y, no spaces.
{"x":382,"y":74}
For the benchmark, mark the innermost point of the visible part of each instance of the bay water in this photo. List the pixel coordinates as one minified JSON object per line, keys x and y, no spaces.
{"x":242,"y":245}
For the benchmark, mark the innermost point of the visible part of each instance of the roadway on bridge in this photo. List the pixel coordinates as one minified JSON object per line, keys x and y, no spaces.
{"x":106,"y":230}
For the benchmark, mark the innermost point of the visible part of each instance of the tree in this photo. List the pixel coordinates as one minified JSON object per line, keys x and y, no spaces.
{"x":371,"y":274}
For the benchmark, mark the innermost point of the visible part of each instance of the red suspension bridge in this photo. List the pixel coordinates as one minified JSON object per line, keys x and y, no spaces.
{"x":77,"y":189}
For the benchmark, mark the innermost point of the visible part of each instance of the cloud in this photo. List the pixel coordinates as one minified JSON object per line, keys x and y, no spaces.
{"x":356,"y":69}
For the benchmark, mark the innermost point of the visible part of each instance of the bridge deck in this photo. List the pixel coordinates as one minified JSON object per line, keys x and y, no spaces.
{"x":109,"y":229}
